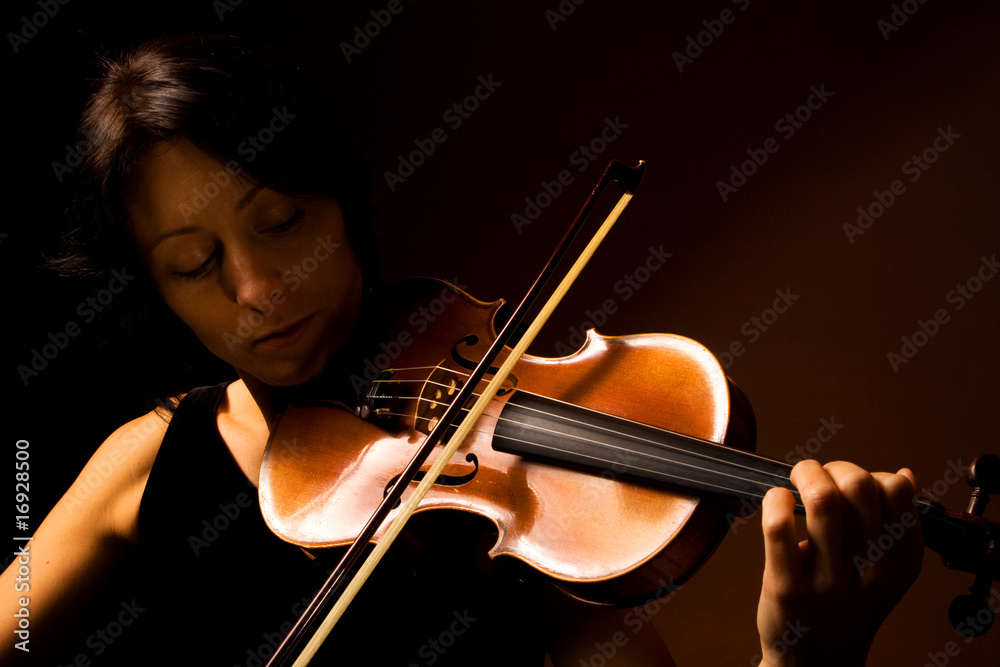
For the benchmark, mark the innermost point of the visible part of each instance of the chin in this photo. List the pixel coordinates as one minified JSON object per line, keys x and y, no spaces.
{"x":287,"y":374}
{"x":292,"y":379}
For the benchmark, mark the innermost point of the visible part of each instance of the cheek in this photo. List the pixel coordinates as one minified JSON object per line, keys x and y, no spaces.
{"x":337,"y":286}
{"x":211,"y":321}
{"x":327,"y":270}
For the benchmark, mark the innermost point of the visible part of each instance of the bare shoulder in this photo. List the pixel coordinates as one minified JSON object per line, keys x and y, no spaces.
{"x":76,"y":547}
{"x":112,"y":482}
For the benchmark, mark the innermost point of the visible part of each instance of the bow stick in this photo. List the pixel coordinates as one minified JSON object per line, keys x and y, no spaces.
{"x":628,"y":179}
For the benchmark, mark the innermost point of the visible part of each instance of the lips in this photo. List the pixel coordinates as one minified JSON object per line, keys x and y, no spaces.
{"x":286,"y":336}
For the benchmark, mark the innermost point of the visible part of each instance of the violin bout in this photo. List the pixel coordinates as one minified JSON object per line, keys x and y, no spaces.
{"x":600,"y":537}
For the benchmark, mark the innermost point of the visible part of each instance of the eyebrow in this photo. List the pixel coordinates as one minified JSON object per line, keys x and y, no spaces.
{"x":176,"y":232}
{"x":240,"y":205}
{"x":248,"y":197}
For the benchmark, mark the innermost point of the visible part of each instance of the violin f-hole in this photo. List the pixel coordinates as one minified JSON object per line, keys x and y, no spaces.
{"x":470,"y":364}
{"x":442,"y":480}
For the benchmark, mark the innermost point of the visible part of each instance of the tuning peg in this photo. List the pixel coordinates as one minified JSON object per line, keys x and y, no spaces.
{"x":972,"y":614}
{"x":984,"y":478}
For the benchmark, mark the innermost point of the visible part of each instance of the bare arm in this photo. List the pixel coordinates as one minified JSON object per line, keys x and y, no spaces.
{"x":80,"y":541}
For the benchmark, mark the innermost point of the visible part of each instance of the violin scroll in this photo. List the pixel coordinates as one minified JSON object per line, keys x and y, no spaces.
{"x":972,"y":614}
{"x":984,"y":478}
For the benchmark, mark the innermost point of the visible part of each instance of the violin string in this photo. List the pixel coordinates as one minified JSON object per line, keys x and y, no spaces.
{"x":706,"y":443}
{"x":945,"y":523}
{"x":942,"y":523}
{"x":607,"y":430}
{"x":616,"y":448}
{"x":704,"y":456}
{"x":599,"y":459}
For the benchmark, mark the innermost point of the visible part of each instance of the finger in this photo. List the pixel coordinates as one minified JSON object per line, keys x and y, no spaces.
{"x":902,"y":521}
{"x":861,"y":507}
{"x":782,"y":556}
{"x":821,"y":499}
{"x":898,"y":493}
{"x":908,"y":474}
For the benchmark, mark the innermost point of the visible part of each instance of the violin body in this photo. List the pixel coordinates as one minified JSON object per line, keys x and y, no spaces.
{"x":610,"y":470}
{"x":600,"y":537}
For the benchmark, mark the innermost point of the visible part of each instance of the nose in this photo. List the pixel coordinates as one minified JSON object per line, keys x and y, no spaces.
{"x":252,"y":280}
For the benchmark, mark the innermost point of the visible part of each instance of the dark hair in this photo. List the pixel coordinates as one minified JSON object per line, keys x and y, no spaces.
{"x":217,"y":93}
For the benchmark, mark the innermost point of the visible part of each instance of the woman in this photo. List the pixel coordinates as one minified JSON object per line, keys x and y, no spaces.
{"x":217,"y":176}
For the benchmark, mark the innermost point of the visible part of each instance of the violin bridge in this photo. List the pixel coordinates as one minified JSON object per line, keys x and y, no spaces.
{"x":438,"y":391}
{"x":412,"y":396}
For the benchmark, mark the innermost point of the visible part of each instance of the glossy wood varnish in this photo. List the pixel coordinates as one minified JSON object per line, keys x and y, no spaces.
{"x":603,"y":539}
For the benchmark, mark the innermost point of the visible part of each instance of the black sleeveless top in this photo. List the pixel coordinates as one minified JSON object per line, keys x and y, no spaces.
{"x":221,"y":590}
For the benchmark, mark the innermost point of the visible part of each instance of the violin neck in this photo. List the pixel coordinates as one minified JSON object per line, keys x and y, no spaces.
{"x":539,"y":427}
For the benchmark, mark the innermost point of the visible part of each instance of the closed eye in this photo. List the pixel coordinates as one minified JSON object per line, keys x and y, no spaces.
{"x":287,"y":225}
{"x":199,"y":272}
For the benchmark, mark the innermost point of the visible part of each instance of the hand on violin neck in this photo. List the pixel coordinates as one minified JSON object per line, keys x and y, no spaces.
{"x":824,"y":598}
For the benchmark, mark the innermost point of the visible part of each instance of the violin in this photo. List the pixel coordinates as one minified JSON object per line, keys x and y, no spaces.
{"x":586,"y":478}
{"x":610,"y":471}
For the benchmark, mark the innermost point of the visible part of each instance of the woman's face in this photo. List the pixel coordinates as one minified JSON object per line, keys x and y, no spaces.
{"x":267,"y":282}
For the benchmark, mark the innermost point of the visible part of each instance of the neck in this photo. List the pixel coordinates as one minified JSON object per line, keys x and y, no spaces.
{"x":265,"y":396}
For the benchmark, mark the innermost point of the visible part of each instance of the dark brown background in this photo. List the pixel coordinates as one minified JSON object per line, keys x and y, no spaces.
{"x":825,"y":358}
